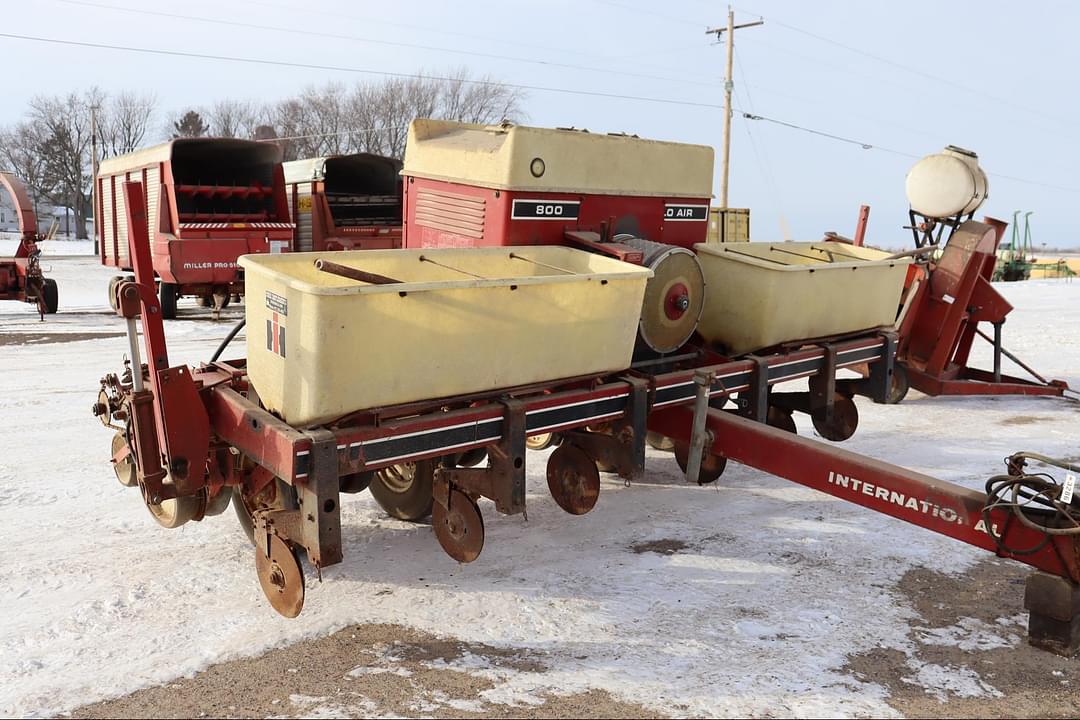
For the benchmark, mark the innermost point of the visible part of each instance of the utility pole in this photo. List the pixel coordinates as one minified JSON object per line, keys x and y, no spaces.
{"x":93,"y":173}
{"x":729,"y":84}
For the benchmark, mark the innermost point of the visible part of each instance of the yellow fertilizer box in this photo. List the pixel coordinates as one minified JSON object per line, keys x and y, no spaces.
{"x":758,"y":295}
{"x":450,"y":322}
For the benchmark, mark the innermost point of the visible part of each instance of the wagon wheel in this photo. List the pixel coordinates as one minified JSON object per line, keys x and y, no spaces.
{"x":168,"y":294}
{"x":404,"y":490}
{"x":277,"y":495}
{"x":50,"y":296}
{"x":712,"y":466}
{"x":845,"y":418}
{"x":459,"y":527}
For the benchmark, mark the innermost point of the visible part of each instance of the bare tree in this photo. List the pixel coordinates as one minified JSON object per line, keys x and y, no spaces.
{"x":374,"y":117}
{"x":483,"y":100}
{"x":62,"y":135}
{"x":50,"y":149}
{"x":235,"y":118}
{"x":288,"y":122}
{"x":124,"y":122}
{"x":19,"y":154}
{"x":391,"y":106}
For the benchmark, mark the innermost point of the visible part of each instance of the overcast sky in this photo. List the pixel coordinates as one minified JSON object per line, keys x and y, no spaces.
{"x":907,"y":77}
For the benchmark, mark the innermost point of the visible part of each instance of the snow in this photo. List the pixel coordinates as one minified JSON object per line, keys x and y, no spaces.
{"x":773,"y":587}
{"x":10,"y":241}
{"x":970,"y":635}
{"x":945,"y":681}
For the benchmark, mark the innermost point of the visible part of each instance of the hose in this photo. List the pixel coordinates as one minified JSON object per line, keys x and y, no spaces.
{"x":228,"y":339}
{"x":1035,"y":500}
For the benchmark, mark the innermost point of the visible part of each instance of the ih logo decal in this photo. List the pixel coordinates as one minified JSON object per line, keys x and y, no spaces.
{"x":275,"y":326}
{"x":275,"y":335}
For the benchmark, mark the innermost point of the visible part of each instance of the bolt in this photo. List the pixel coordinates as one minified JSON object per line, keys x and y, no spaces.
{"x":99,"y":409}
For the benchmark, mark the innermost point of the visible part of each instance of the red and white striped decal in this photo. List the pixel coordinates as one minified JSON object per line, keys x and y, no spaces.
{"x":238,"y":226}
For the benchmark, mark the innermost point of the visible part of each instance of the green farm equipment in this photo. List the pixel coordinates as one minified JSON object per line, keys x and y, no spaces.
{"x":1015,"y":261}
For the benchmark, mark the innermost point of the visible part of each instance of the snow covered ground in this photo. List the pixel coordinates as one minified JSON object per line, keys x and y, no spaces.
{"x":767,"y":589}
{"x":9,"y":241}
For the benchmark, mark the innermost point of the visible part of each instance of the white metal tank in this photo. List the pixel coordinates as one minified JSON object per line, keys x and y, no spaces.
{"x":947,"y":183}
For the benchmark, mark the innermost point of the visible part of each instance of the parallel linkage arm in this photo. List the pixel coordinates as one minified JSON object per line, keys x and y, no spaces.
{"x":172,"y":432}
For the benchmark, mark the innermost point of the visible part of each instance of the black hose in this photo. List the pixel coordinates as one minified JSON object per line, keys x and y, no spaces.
{"x":228,"y":339}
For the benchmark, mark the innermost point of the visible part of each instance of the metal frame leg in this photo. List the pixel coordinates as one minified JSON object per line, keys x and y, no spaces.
{"x":1053,"y":605}
{"x":320,"y":506}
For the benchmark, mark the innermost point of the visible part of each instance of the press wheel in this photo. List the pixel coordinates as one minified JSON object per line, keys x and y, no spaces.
{"x":174,"y":512}
{"x":171,"y":513}
{"x":845,"y":418}
{"x":404,"y":490}
{"x":573,"y":479}
{"x":712,"y":466}
{"x":459,"y":527}
{"x":281,"y":577}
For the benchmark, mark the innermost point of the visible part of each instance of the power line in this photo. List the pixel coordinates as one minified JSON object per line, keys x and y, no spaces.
{"x":376,"y":41}
{"x":831,"y":136}
{"x":340,"y":68}
{"x":485,"y":38}
{"x":307,"y":9}
{"x":911,"y":69}
{"x":490,"y":83}
{"x":869,"y":146}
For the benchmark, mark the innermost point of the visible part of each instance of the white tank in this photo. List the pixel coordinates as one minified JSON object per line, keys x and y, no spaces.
{"x":947,"y":183}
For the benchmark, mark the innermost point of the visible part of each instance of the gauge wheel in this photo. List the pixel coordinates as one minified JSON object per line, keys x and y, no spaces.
{"x":404,"y":490}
